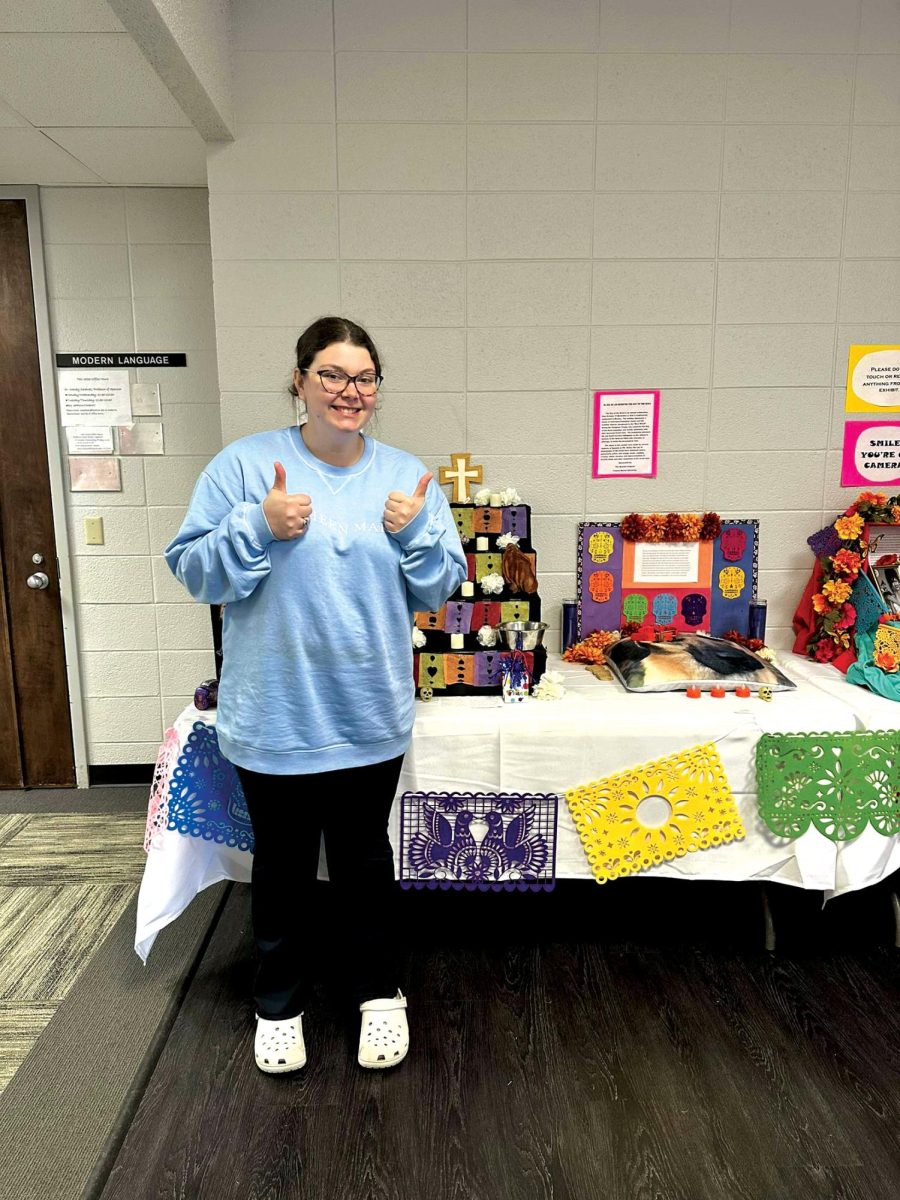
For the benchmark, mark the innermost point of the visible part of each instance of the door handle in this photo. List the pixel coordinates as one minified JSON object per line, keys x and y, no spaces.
{"x":38,"y":581}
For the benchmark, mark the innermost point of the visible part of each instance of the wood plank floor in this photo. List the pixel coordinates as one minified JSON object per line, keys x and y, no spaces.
{"x":552,"y":1057}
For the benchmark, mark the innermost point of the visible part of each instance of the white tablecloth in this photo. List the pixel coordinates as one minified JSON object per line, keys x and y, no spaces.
{"x":463,"y":744}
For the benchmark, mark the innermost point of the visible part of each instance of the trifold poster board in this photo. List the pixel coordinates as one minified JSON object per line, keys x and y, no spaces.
{"x":687,"y":587}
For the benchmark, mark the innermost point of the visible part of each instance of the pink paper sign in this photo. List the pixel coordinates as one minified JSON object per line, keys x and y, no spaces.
{"x":871,"y":454}
{"x":626,"y":432}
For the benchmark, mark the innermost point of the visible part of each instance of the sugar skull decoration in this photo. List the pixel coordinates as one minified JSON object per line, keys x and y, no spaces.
{"x":634,"y":607}
{"x":600,"y":547}
{"x":601,"y":585}
{"x":665,"y":606}
{"x":733,"y":542}
{"x":731,"y":582}
{"x":765,"y":692}
{"x":693,"y":608}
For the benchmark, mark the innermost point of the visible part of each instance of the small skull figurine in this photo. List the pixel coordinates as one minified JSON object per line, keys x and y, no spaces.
{"x":426,"y":693}
{"x":765,"y":693}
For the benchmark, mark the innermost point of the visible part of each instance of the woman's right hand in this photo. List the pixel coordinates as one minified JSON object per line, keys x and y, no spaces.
{"x":288,"y":515}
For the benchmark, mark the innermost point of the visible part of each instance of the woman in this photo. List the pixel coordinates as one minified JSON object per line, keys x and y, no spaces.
{"x":321,"y":543}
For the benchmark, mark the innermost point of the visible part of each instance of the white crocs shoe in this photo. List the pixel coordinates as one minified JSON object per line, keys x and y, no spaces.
{"x":384,"y":1034}
{"x":279,"y":1045}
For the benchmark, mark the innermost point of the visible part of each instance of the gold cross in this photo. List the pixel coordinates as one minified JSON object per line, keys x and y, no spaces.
{"x":461,"y":474}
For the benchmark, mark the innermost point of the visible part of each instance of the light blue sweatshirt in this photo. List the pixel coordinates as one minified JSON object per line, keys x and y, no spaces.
{"x":317,"y":669}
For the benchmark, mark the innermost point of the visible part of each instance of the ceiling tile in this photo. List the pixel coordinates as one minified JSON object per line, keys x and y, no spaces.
{"x":164,"y":157}
{"x":26,"y":156}
{"x":88,"y":79}
{"x":9,"y":116}
{"x":57,"y":16}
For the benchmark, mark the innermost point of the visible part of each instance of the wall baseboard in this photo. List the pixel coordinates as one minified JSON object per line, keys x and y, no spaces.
{"x":121,"y":774}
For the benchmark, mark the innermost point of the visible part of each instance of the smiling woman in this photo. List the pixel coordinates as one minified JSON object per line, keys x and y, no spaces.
{"x":337,"y":377}
{"x":321,"y":543}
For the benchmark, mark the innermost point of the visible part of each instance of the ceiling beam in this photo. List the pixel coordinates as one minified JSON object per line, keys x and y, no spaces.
{"x":167,"y":50}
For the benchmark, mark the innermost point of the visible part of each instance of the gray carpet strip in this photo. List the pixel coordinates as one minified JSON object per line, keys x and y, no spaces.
{"x":82,"y":1022}
{"x":110,"y":799}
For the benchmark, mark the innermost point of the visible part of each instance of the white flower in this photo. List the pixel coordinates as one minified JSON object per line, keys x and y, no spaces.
{"x":507,"y":539}
{"x":767,"y":654}
{"x":419,"y":639}
{"x":487,"y":636}
{"x":482,"y":496}
{"x":549,"y":686}
{"x":510,"y":496}
{"x":492,"y":584}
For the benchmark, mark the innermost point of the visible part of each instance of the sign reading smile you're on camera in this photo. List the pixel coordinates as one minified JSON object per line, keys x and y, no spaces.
{"x":871,"y":454}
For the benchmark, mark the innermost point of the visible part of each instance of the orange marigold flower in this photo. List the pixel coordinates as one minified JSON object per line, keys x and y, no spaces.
{"x":693,"y":523}
{"x":895,"y":514}
{"x":886,"y":661}
{"x":592,"y":649}
{"x":820,"y":604}
{"x":846,"y":562}
{"x":849,"y":528}
{"x":654,"y":527}
{"x":879,"y":499}
{"x":836,"y":591}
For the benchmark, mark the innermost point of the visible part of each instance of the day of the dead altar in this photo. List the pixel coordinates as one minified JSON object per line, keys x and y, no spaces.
{"x":684,"y":750}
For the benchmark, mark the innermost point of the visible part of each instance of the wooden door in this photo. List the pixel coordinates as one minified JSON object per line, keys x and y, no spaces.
{"x":35,"y":724}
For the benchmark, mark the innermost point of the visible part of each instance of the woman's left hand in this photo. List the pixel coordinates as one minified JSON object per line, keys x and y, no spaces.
{"x":399,"y":509}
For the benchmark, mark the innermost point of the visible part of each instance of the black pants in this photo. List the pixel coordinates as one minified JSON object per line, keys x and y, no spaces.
{"x":288,"y":813}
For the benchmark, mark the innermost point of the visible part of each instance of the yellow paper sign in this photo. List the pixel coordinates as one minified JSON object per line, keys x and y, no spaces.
{"x":873,"y":379}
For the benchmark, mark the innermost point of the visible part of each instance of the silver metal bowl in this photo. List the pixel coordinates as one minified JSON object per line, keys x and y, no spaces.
{"x":522,"y":635}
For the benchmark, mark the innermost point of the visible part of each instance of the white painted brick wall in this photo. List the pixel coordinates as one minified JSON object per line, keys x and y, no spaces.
{"x":131,"y":269}
{"x":523,"y":202}
{"x":534,"y":201}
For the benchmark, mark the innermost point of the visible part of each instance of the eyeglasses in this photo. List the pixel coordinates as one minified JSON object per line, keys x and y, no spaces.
{"x":336,"y":382}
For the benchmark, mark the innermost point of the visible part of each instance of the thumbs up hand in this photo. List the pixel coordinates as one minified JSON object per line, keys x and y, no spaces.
{"x":399,"y":509}
{"x":288,"y":514}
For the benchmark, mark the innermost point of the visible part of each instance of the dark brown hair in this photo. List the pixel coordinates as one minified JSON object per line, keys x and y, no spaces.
{"x":325,"y":332}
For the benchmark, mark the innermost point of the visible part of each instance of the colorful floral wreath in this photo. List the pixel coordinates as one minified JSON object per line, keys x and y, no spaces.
{"x":835,"y":616}
{"x":670,"y":527}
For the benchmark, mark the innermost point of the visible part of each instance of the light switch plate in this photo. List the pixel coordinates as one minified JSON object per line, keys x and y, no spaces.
{"x":93,"y":531}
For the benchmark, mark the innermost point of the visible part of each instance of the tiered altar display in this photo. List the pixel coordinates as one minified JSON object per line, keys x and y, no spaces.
{"x":459,"y":649}
{"x":459,"y":655}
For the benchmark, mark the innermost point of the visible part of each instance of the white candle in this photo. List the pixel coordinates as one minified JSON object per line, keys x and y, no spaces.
{"x":481,"y":543}
{"x":495,"y":500}
{"x":468,"y":589}
{"x":457,"y":641}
